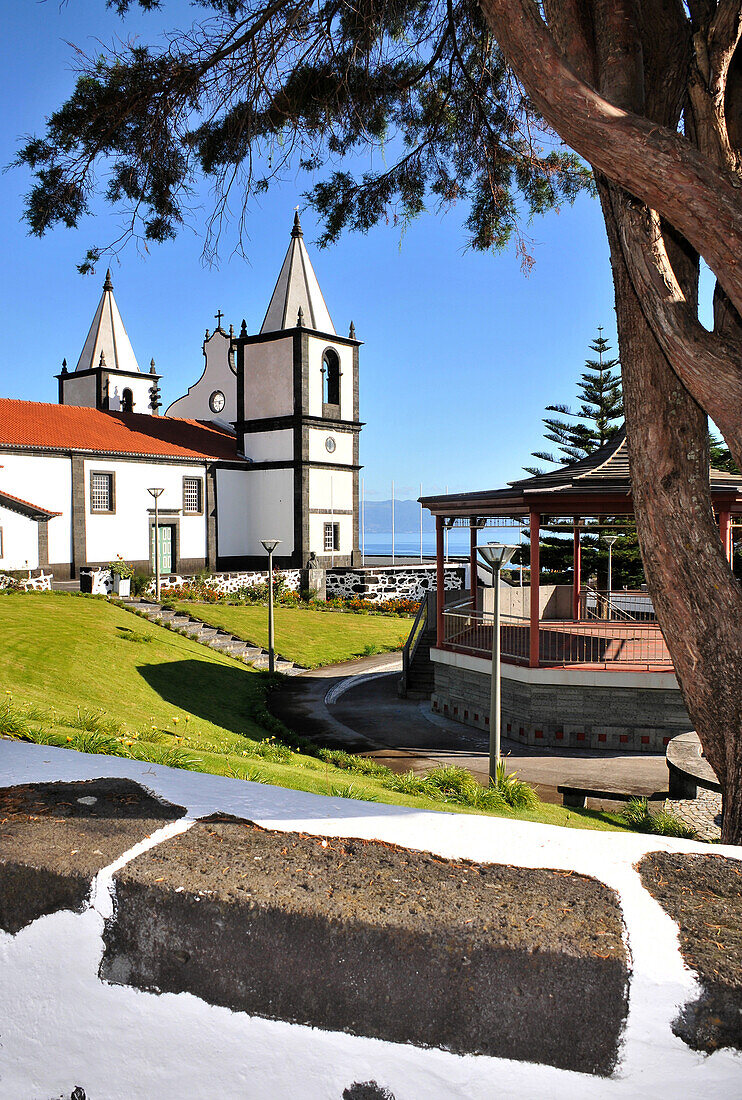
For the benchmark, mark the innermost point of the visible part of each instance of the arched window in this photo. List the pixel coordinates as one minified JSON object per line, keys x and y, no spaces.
{"x":127,"y":401}
{"x":330,"y":378}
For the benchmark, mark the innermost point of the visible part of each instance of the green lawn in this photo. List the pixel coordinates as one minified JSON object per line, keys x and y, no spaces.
{"x":310,"y":638}
{"x":83,"y":673}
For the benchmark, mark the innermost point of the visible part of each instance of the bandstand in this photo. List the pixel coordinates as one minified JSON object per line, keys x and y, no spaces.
{"x":581,"y":668}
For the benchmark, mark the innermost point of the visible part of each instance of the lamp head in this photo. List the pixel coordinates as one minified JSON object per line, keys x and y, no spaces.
{"x":610,"y":539}
{"x":269,"y":545}
{"x":155,"y":492}
{"x":496,"y":554}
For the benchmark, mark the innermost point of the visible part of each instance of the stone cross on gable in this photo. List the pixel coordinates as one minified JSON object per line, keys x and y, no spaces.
{"x":218,"y":316}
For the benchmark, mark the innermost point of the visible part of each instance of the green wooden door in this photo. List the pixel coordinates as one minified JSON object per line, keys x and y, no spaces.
{"x":166,"y":548}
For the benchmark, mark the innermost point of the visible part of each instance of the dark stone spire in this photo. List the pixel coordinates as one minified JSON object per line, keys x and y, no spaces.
{"x":108,"y":285}
{"x":297,"y":231}
{"x":352,"y":333}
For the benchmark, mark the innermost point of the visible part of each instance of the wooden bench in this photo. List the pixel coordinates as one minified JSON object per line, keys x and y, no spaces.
{"x":577,"y":797}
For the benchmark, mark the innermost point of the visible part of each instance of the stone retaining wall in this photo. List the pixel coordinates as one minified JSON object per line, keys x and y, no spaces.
{"x":390,"y":582}
{"x":579,"y":716}
{"x":228,"y":583}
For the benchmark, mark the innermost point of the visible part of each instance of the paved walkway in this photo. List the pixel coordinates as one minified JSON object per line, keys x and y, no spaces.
{"x":702,"y":813}
{"x":355,"y":706}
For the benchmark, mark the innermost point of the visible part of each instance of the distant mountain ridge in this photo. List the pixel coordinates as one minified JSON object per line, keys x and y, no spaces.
{"x":378,"y":517}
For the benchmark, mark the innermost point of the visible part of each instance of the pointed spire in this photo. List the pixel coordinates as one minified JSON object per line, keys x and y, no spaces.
{"x":152,"y":366}
{"x":107,"y":335}
{"x":243,"y":330}
{"x":297,"y":287}
{"x":64,"y":366}
{"x":300,"y":318}
{"x":231,"y":331}
{"x":206,"y":337}
{"x":102,"y":361}
{"x":352,"y":332}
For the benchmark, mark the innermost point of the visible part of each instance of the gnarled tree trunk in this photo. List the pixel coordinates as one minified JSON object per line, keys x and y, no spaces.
{"x":612,"y":77}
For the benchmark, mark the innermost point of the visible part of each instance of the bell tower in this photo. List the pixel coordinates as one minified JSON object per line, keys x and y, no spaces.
{"x":298,"y":422}
{"x":107,"y":375}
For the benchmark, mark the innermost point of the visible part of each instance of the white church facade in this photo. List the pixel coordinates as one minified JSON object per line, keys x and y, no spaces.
{"x":264,"y":445}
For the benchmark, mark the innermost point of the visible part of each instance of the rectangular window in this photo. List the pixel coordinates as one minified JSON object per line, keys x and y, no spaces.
{"x":102,"y":493}
{"x":332,"y":536}
{"x":193,"y":495}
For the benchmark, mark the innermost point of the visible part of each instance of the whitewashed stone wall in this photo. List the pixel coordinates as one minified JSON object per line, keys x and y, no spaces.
{"x":228,"y":583}
{"x":391,"y":582}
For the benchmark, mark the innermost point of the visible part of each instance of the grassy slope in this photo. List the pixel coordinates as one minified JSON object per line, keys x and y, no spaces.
{"x":61,"y":652}
{"x":311,"y":638}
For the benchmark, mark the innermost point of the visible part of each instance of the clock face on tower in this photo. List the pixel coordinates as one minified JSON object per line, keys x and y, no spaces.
{"x":329,"y":444}
{"x":216,"y":401}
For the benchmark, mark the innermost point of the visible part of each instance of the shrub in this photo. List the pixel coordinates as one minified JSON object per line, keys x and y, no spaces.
{"x":513,"y":791}
{"x":140,"y":582}
{"x":93,"y":722}
{"x":121,"y":568}
{"x":639,"y":817}
{"x":351,"y":791}
{"x":12,"y":724}
{"x":454,"y":784}
{"x":409,"y":783}
{"x":95,"y":742}
{"x":359,"y":764}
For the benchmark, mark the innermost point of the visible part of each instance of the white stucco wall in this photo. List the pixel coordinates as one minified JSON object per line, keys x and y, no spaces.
{"x":269,"y":374}
{"x":270,"y":446}
{"x":343,"y":446}
{"x":317,"y":533}
{"x":46,"y":481}
{"x":317,"y":346}
{"x":127,"y":531}
{"x":19,"y":547}
{"x":139,"y":387}
{"x":330,"y":487}
{"x":217,"y":375}
{"x":254,"y":505}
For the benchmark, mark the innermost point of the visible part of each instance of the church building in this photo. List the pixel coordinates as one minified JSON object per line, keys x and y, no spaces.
{"x":265,"y":444}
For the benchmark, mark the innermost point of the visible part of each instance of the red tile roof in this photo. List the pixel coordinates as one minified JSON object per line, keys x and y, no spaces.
{"x":24,"y":506}
{"x":32,"y":424}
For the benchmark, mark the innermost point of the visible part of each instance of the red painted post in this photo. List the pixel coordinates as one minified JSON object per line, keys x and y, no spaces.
{"x":534,"y":523}
{"x":439,"y":580}
{"x":473,"y":565}
{"x":577,"y":571}
{"x":725,"y":530}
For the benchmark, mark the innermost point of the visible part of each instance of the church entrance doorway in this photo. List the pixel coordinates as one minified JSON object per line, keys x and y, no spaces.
{"x":166,"y":542}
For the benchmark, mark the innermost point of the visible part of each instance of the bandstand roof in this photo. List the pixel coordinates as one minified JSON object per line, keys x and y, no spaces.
{"x":599,"y":483}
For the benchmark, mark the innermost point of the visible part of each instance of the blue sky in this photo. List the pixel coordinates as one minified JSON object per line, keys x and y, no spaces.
{"x":462,"y":350}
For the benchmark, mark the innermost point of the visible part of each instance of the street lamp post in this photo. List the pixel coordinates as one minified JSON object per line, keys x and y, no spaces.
{"x":610,"y":539}
{"x":495,"y":555}
{"x":156,"y":494}
{"x":270,"y":545}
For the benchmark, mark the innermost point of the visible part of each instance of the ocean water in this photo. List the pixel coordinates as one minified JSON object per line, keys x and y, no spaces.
{"x":406,"y":545}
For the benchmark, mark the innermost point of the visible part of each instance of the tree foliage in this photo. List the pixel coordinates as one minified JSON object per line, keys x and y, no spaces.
{"x":255,"y":89}
{"x":596,"y":421}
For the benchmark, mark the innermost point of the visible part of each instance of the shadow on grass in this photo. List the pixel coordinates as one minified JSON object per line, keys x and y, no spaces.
{"x":216,"y":693}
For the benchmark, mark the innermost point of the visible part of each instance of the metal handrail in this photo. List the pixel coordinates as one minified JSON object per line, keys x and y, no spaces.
{"x":605,"y":603}
{"x":409,"y":649}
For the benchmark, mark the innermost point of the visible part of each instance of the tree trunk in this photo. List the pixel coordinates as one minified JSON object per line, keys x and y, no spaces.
{"x":697,"y":599}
